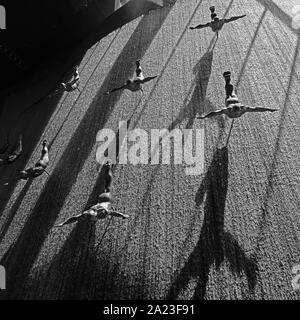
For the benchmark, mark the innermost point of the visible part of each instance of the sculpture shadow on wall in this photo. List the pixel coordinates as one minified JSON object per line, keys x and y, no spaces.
{"x":214,"y":244}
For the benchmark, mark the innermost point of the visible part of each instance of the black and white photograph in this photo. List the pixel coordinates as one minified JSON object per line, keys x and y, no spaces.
{"x":150,"y":151}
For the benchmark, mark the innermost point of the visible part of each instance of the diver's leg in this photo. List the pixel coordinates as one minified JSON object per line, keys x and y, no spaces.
{"x":108,"y":176}
{"x":44,"y":159}
{"x":212,"y":11}
{"x":138,"y":71}
{"x":228,"y":86}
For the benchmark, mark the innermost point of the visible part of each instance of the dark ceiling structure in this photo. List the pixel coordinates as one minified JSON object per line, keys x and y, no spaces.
{"x":39,"y":31}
